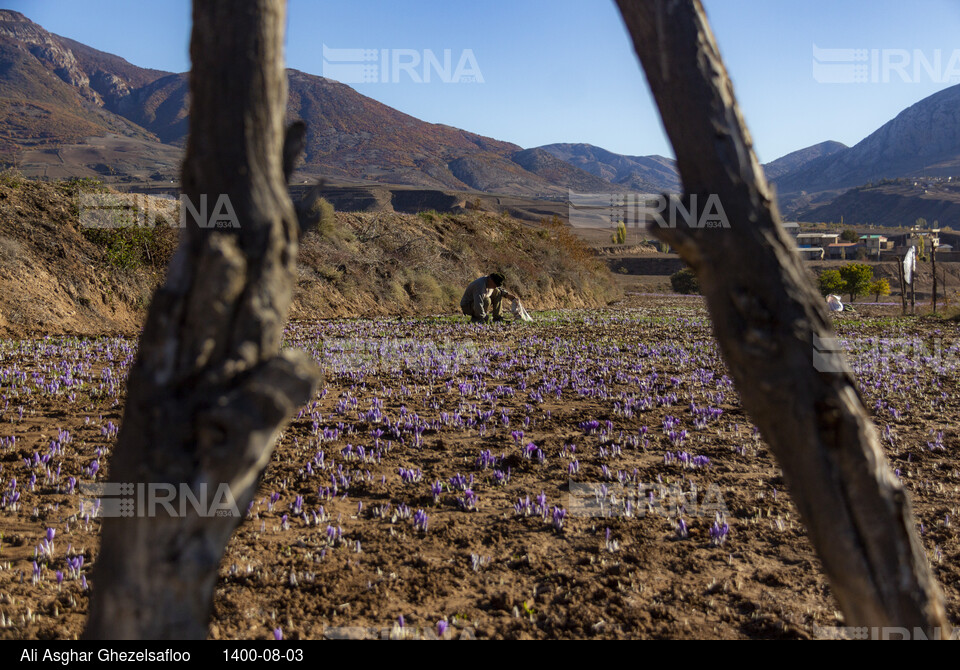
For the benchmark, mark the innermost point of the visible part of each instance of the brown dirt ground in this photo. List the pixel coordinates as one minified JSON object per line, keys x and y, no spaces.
{"x":488,"y":572}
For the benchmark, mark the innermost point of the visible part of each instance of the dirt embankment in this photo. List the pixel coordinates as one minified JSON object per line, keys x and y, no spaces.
{"x":55,"y":280}
{"x":58,"y":277}
{"x":398,"y":264}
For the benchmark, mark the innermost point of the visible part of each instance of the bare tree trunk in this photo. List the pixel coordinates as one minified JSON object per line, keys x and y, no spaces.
{"x":210,"y":389}
{"x":933,"y":270}
{"x":903,"y":288}
{"x":913,"y":292}
{"x":768,"y":318}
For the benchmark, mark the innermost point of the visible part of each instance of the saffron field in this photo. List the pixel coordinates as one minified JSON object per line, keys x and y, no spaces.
{"x":590,"y":474}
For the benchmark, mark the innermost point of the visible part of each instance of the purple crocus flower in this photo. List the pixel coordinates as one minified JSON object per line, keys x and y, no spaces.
{"x":558,"y":516}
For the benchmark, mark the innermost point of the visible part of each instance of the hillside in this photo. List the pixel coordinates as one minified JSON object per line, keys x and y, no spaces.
{"x":655,"y":174}
{"x":798,"y":159}
{"x":110,"y":75}
{"x":161,"y":106}
{"x":560,"y":173}
{"x":46,"y":96}
{"x":67,"y":109}
{"x":53,"y":279}
{"x":402,"y":264}
{"x":650,"y":174}
{"x":59,"y":94}
{"x":58,"y":277}
{"x":896,"y":203}
{"x":923,"y":140}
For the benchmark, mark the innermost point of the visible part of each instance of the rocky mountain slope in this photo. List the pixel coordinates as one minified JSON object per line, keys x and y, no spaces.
{"x":796,"y":160}
{"x":67,"y":109}
{"x":650,"y":174}
{"x":50,"y":96}
{"x":923,"y":140}
{"x":897,"y":203}
{"x":56,"y":92}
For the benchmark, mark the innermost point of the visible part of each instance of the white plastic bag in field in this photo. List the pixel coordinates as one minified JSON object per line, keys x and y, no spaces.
{"x":519,"y":312}
{"x":834,"y":304}
{"x":910,"y":265}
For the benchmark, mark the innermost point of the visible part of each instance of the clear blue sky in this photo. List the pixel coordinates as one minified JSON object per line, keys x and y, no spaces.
{"x":564,"y":70}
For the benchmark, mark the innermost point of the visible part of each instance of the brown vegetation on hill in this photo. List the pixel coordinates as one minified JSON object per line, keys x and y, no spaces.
{"x":88,"y":94}
{"x":27,"y":123}
{"x":57,"y":276}
{"x":399,"y":264}
{"x":893,"y":202}
{"x":53,"y":278}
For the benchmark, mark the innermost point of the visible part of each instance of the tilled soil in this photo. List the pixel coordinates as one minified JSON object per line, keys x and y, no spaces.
{"x":634,"y":427}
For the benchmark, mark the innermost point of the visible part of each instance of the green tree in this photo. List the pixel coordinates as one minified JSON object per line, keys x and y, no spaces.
{"x":620,"y":237}
{"x":685,"y":281}
{"x":322,"y":211}
{"x":829,"y":282}
{"x":920,"y":223}
{"x":879,"y":287}
{"x":856,"y":279}
{"x":849,"y":235}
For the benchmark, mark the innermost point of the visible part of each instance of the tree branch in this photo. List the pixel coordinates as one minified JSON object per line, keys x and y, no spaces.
{"x":768,"y":319}
{"x":210,"y":389}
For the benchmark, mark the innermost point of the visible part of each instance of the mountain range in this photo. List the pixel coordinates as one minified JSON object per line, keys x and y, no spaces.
{"x":67,"y":109}
{"x":56,"y":94}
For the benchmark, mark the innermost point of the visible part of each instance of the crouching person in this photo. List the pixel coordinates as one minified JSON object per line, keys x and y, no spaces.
{"x":484,"y":298}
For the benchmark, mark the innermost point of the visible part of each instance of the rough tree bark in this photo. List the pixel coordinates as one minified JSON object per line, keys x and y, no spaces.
{"x":210,"y":389}
{"x":766,"y":316}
